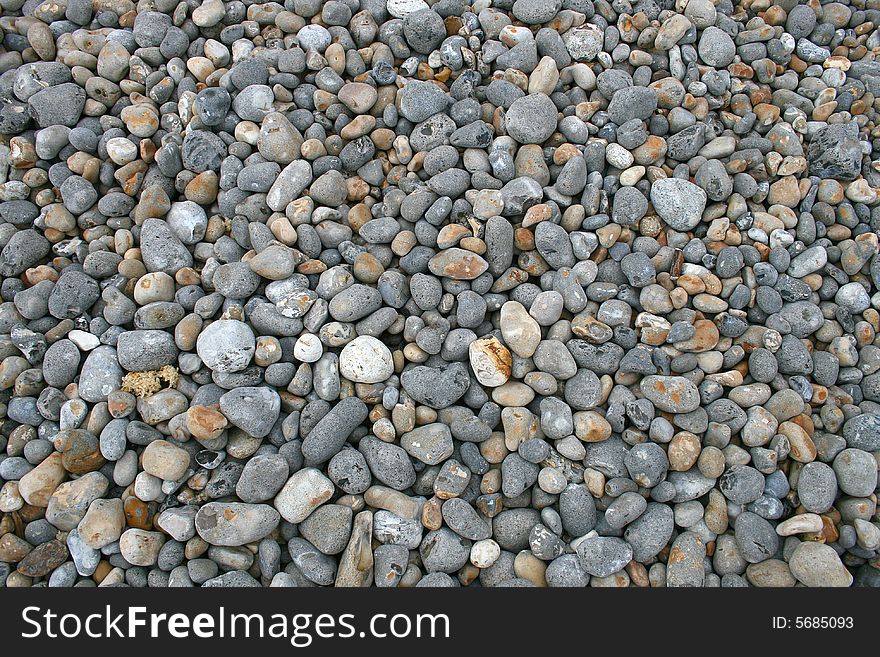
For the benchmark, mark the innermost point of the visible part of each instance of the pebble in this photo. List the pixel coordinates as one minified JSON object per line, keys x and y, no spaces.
{"x":673,"y":394}
{"x":490,"y":361}
{"x":140,"y":547}
{"x":329,"y":434}
{"x":856,"y":472}
{"x":520,"y":331}
{"x":755,"y":537}
{"x":406,"y":294}
{"x":685,"y":565}
{"x":602,"y":556}
{"x":235,"y":523}
{"x":817,"y":564}
{"x":421,"y":100}
{"x":165,"y":461}
{"x":431,"y":443}
{"x":252,"y":409}
{"x":37,"y":485}
{"x":531,"y":119}
{"x":305,"y":491}
{"x":366,"y":360}
{"x":226,"y":345}
{"x":678,"y":202}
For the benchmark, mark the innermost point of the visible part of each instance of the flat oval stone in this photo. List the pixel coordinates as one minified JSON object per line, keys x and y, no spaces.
{"x":43,"y":559}
{"x":140,"y":547}
{"x":673,"y":394}
{"x":235,"y":523}
{"x":457,"y":264}
{"x":817,"y":564}
{"x":602,"y":556}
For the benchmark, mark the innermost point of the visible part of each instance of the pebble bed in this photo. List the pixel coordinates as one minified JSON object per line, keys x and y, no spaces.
{"x":391,"y":293}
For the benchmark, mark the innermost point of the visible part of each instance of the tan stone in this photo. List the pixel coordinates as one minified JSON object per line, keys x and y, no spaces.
{"x":527,"y":566}
{"x":803,"y":449}
{"x":591,"y":427}
{"x":803,"y":523}
{"x":71,"y":500}
{"x":165,"y":461}
{"x":140,"y":547}
{"x":103,"y":523}
{"x":457,"y":264}
{"x":37,"y":486}
{"x":205,"y":422}
{"x":13,"y":549}
{"x":683,"y":451}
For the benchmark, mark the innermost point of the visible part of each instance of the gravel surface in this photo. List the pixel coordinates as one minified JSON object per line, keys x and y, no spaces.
{"x":416,"y":293}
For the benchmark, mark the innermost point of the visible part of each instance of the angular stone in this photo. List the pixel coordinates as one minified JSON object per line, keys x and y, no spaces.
{"x":429,"y":443}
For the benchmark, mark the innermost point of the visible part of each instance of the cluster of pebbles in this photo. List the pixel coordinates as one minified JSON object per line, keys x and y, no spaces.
{"x":392,"y":293}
